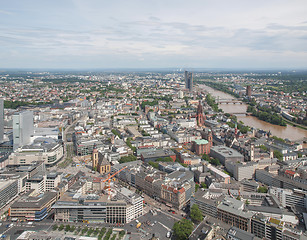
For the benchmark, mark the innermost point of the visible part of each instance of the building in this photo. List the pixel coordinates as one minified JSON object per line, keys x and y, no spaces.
{"x":1,"y":120}
{"x":235,"y":233}
{"x":23,"y":128}
{"x":201,"y":146}
{"x":8,"y":191}
{"x":37,"y":183}
{"x":200,"y":118}
{"x":219,"y":175}
{"x":249,"y":186}
{"x":85,"y":146}
{"x":289,"y":197}
{"x":158,"y":153}
{"x":188,"y":76}
{"x":53,"y":180}
{"x":99,"y":162}
{"x":224,"y":154}
{"x":75,"y":207}
{"x":270,"y":228}
{"x":241,"y":170}
{"x":177,"y":188}
{"x":206,"y":202}
{"x":280,"y":181}
{"x":135,"y":207}
{"x":48,"y":150}
{"x":231,"y":211}
{"x":33,"y":207}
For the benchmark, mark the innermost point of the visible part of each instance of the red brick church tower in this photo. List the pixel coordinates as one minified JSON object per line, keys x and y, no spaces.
{"x":200,"y":115}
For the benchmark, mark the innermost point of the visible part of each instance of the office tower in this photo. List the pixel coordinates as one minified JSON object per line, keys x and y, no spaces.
{"x":23,"y":128}
{"x":249,"y":91}
{"x":188,"y":76}
{"x":1,"y":120}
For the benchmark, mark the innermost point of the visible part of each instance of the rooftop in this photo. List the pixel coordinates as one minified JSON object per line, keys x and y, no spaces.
{"x":201,"y":141}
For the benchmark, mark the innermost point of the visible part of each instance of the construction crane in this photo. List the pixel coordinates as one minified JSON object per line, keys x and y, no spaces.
{"x":110,"y":177}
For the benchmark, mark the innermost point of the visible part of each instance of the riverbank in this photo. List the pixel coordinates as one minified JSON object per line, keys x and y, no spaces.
{"x":289,"y":132}
{"x":294,"y":124}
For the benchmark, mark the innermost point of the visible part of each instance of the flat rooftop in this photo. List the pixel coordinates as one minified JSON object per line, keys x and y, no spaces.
{"x":226,"y":151}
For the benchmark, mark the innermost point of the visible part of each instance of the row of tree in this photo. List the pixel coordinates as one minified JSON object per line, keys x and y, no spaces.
{"x":211,"y":102}
{"x":267,"y":115}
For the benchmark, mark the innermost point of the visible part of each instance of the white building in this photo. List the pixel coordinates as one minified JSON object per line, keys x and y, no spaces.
{"x":48,"y":150}
{"x":23,"y":128}
{"x":134,"y":201}
{"x":289,"y":197}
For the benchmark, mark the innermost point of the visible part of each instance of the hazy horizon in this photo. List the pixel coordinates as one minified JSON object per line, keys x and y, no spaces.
{"x":75,"y":34}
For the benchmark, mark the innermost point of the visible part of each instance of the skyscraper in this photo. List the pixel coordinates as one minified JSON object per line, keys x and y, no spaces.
{"x":188,"y":76}
{"x":1,"y":120}
{"x":23,"y":128}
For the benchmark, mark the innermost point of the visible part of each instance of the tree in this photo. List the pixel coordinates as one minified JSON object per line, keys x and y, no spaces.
{"x":206,"y":157}
{"x":196,"y":187}
{"x":203,"y":185}
{"x":263,"y":189}
{"x":67,"y":228}
{"x":154,"y":164}
{"x":129,"y":158}
{"x":196,"y":214}
{"x":84,"y":230}
{"x":215,"y":162}
{"x":72,"y":228}
{"x":182,"y":229}
{"x":278,"y":155}
{"x":61,"y":227}
{"x":55,"y":227}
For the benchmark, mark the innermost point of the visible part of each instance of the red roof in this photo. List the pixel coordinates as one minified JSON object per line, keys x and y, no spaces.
{"x":149,"y":179}
{"x":289,"y":172}
{"x":182,"y":190}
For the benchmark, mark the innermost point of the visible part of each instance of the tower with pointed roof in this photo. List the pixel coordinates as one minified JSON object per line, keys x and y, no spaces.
{"x":200,"y":115}
{"x":95,"y":158}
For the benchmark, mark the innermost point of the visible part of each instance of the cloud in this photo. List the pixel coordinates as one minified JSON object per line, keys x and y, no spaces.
{"x":5,"y":12}
{"x":195,"y":33}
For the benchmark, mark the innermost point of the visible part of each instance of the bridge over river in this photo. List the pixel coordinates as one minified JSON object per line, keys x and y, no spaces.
{"x":228,"y":101}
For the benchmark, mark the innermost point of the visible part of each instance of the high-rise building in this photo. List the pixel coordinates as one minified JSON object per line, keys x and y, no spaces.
{"x":1,"y":120}
{"x":188,"y":76}
{"x":23,"y":128}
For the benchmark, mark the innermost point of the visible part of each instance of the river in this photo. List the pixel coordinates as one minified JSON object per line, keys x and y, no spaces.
{"x":290,"y":132}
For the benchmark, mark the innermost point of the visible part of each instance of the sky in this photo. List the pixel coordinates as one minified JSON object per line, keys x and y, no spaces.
{"x":97,"y":34}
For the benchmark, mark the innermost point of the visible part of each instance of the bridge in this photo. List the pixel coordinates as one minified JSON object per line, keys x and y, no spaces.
{"x":240,"y":113}
{"x":229,"y":101}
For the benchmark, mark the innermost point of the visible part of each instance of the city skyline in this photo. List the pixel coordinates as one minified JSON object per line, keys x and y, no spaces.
{"x":201,"y":34}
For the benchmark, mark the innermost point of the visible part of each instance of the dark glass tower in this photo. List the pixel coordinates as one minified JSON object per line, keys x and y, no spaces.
{"x":188,"y":76}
